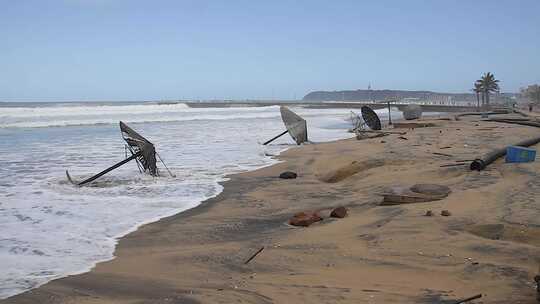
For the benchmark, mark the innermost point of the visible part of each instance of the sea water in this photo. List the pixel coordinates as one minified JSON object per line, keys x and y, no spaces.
{"x":50,"y":228}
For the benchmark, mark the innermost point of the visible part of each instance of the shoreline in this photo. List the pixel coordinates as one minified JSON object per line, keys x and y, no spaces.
{"x":117,"y":238}
{"x":196,"y":256}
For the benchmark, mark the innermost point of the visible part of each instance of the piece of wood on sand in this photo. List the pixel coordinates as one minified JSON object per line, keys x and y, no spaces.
{"x":478,"y":296}
{"x":254,"y":255}
{"x":442,"y":154}
{"x":452,"y":165}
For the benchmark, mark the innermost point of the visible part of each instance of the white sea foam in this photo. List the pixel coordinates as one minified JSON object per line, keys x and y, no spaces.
{"x":49,"y":229}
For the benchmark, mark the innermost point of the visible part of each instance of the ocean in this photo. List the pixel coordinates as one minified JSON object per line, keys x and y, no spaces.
{"x":50,"y":228}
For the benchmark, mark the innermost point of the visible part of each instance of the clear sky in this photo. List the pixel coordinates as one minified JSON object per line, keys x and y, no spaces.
{"x":150,"y":50}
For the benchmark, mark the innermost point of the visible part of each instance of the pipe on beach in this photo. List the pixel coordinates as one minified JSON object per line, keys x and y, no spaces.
{"x":516,"y":122}
{"x":458,"y":116}
{"x":481,"y":163}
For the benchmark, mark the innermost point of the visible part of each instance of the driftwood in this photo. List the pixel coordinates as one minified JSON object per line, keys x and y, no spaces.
{"x":384,"y":132}
{"x":412,"y":125}
{"x":443,"y":154}
{"x":254,"y":255}
{"x":478,"y":296}
{"x":452,"y":165}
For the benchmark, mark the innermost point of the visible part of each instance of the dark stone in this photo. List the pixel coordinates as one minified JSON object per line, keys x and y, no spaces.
{"x":288,"y":175}
{"x":339,"y":212}
{"x":429,"y":213}
{"x":445,"y":213}
{"x":304,"y":219}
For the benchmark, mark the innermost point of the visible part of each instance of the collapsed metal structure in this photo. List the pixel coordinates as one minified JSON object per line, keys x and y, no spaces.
{"x":142,"y":151}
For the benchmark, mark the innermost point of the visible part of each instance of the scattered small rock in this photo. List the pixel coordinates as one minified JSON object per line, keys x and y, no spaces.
{"x":304,"y":219}
{"x":445,"y":213}
{"x":429,"y":213}
{"x":383,"y":141}
{"x":288,"y":175}
{"x":339,"y":212}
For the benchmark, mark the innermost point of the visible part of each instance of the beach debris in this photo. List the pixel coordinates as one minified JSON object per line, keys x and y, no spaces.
{"x":446,"y":213}
{"x":483,"y":114}
{"x":403,"y":137}
{"x":366,"y":135}
{"x":412,"y":111}
{"x":452,"y":165}
{"x":482,"y":162}
{"x":254,"y":255}
{"x":368,"y":119}
{"x":288,"y":175}
{"x":371,"y":119}
{"x":442,"y":154}
{"x":416,"y":194}
{"x":305,"y":218}
{"x":429,"y":213}
{"x":296,"y":126}
{"x":478,"y":296}
{"x":339,"y":212}
{"x":517,"y":121}
{"x":413,"y":125}
{"x":142,"y":151}
{"x":516,"y":154}
{"x":445,"y":147}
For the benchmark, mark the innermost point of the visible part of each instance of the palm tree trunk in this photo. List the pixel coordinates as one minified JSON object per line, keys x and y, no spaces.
{"x":478,"y":100}
{"x":483,"y":99}
{"x":487,"y":98}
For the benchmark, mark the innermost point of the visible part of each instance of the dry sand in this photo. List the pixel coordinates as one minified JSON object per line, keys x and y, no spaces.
{"x":378,"y":254}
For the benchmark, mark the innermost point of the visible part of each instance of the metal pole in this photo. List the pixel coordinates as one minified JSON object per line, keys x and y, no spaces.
{"x":172,"y":175}
{"x":389,"y":114}
{"x":132,"y":157}
{"x":271,"y":140}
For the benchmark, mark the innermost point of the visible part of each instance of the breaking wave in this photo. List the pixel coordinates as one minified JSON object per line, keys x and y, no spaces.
{"x":68,"y":115}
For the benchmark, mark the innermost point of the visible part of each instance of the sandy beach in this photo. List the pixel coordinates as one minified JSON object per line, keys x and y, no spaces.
{"x":377,"y":254}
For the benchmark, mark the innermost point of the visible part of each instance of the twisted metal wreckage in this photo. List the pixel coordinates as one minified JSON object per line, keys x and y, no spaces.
{"x":142,"y":151}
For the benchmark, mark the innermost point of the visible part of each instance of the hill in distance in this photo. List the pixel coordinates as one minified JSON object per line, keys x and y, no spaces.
{"x":368,"y":95}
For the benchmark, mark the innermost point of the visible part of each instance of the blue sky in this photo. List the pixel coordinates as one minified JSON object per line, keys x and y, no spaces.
{"x":151,"y":50}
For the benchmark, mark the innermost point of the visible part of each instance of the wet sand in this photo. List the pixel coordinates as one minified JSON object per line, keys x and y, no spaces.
{"x":378,"y":254}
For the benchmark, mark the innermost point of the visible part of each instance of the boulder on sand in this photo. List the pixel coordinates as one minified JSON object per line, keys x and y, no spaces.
{"x":305,"y":218}
{"x":288,"y":175}
{"x":339,"y":212}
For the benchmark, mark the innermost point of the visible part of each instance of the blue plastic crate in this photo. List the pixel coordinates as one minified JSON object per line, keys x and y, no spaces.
{"x":515,"y":154}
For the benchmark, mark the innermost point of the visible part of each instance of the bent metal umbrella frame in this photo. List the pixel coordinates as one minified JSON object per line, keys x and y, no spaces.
{"x":142,"y":151}
{"x":296,"y":126}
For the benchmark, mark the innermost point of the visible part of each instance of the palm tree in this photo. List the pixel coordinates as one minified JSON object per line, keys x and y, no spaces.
{"x":488,"y":84}
{"x":478,"y":89}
